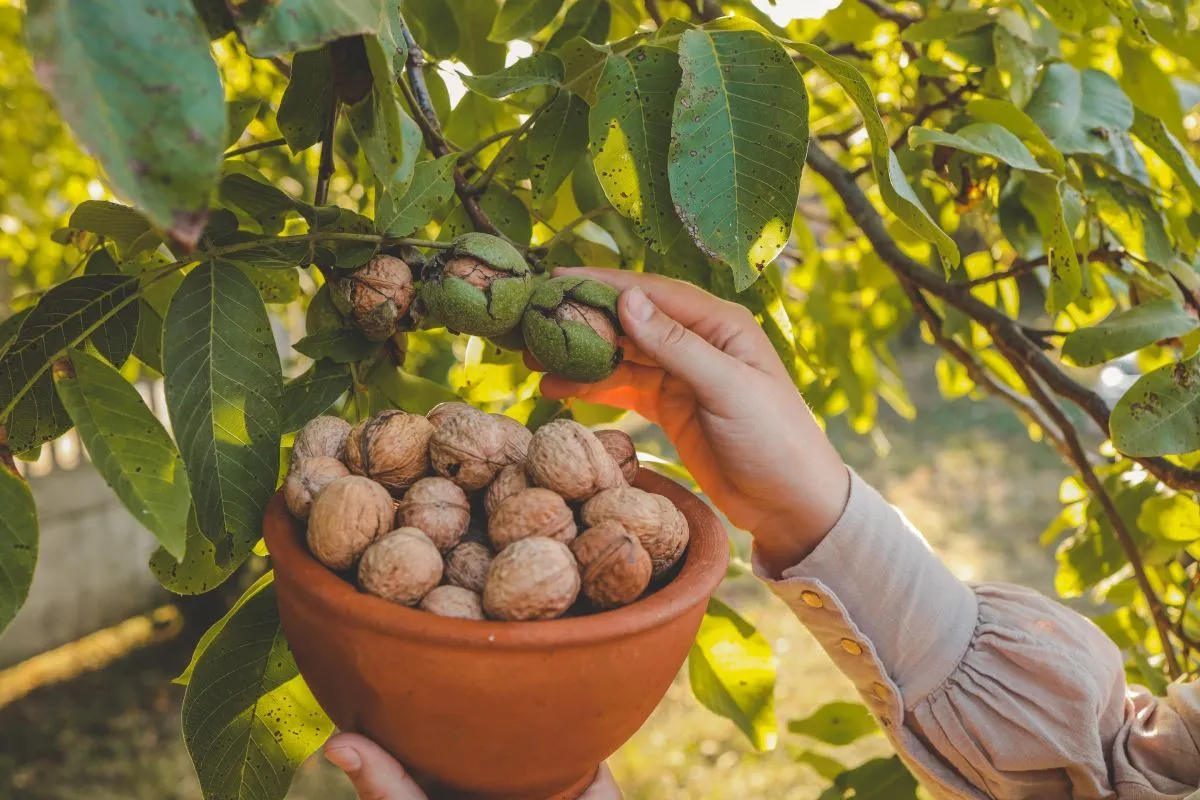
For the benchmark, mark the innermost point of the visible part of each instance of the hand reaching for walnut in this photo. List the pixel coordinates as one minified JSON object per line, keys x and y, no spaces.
{"x":704,"y":371}
{"x":378,"y":776}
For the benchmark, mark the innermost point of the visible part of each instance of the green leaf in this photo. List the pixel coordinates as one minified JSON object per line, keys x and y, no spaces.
{"x":738,"y":138}
{"x":389,"y":138}
{"x":10,"y":327}
{"x":155,"y":124}
{"x":400,"y":389}
{"x":249,"y":191}
{"x":238,"y":115}
{"x":1044,"y":200}
{"x":312,"y":394}
{"x":474,"y":21}
{"x":1131,"y":20}
{"x":437,"y":31}
{"x":630,"y":127}
{"x":223,"y":391}
{"x":1132,"y":218}
{"x":732,"y":672}
{"x":18,"y":543}
{"x":540,"y":69}
{"x":555,"y":143}
{"x":1002,"y":112}
{"x":1160,"y":414}
{"x":1080,"y":111}
{"x":1069,"y":15}
{"x":124,"y":226}
{"x":340,"y":346}
{"x":1174,"y":518}
{"x":894,"y":188}
{"x":287,"y":26}
{"x":828,"y":768}
{"x":431,"y":188}
{"x":249,"y":720}
{"x":1155,"y":136}
{"x":1149,"y":87}
{"x":838,"y":723}
{"x":307,"y":102}
{"x":1016,"y":64}
{"x":65,"y":317}
{"x":1140,"y":326}
{"x":982,"y":138}
{"x":504,"y":209}
{"x":147,"y":347}
{"x":583,"y":64}
{"x":128,"y":446}
{"x":206,"y":640}
{"x":946,"y":25}
{"x":200,"y":571}
{"x":877,"y":779}
{"x":520,"y":19}
{"x":589,"y":19}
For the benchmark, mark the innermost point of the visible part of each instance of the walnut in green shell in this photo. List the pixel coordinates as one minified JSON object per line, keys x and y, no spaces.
{"x":480,"y":286}
{"x":571,"y":327}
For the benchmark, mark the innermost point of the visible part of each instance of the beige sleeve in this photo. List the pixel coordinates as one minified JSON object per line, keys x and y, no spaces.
{"x":990,"y":691}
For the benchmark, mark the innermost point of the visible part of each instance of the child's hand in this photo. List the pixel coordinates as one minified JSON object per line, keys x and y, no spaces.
{"x":704,"y":371}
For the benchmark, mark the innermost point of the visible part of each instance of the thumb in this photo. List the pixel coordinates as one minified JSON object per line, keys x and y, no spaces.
{"x":678,"y":350}
{"x":374,"y":773}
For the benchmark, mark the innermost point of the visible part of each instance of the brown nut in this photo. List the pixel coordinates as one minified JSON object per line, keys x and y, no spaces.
{"x":378,"y":296}
{"x":322,"y":436}
{"x":653,"y":519}
{"x":391,"y":447}
{"x":467,"y":566}
{"x":531,"y":512}
{"x":306,"y":479}
{"x":516,"y":446}
{"x":508,"y":482}
{"x":346,"y":517}
{"x":614,"y":567}
{"x":567,"y":458}
{"x":445,"y":411}
{"x":469,"y":449}
{"x":453,"y":601}
{"x":402,"y":566}
{"x":439,"y":508}
{"x":533,"y":579}
{"x":620,"y":446}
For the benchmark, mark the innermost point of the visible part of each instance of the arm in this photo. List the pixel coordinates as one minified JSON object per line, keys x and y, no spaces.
{"x":988,"y":691}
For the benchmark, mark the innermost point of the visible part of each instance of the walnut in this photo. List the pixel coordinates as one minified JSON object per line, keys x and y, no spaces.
{"x":614,"y":566}
{"x":377,"y":296}
{"x":533,"y":579}
{"x":402,"y":566}
{"x":532,"y":512}
{"x":469,"y":449}
{"x":391,"y":447}
{"x":509,"y":481}
{"x":568,"y":458}
{"x":445,"y":411}
{"x":346,"y":517}
{"x":453,"y":601}
{"x":467,"y":566}
{"x":653,"y":519}
{"x":620,"y":446}
{"x":306,"y":479}
{"x":516,"y":447}
{"x":439,"y":508}
{"x":322,"y":436}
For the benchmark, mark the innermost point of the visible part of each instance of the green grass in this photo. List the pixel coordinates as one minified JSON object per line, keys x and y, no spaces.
{"x":963,"y":472}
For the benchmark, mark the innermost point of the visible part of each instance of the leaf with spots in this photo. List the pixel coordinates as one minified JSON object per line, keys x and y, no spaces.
{"x":1080,"y":110}
{"x":588,"y":19}
{"x":630,"y":127}
{"x":1160,"y":414}
{"x":238,"y":116}
{"x":1043,"y":199}
{"x":431,"y":188}
{"x":307,"y":102}
{"x":1017,"y":122}
{"x":18,"y":543}
{"x":894,"y":187}
{"x":1132,"y":217}
{"x":287,"y":26}
{"x":1016,"y":64}
{"x":389,"y":138}
{"x":838,"y":723}
{"x":555,"y":143}
{"x":1131,"y":21}
{"x":583,"y":64}
{"x":125,"y":227}
{"x":732,"y":672}
{"x":540,"y":69}
{"x":156,"y":124}
{"x":249,"y":720}
{"x":312,"y":393}
{"x":982,"y":138}
{"x":341,"y":346}
{"x":223,"y":389}
{"x":1069,"y":15}
{"x":1154,"y":134}
{"x":200,"y":570}
{"x":1128,"y":331}
{"x":877,"y":779}
{"x":739,"y":133}
{"x":128,"y":447}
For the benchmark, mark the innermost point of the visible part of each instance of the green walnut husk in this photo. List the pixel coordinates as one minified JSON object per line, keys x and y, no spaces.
{"x":480,"y":286}
{"x":571,"y":327}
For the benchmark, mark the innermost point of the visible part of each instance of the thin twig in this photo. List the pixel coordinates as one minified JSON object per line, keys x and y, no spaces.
{"x":566,"y":230}
{"x":1022,"y":267}
{"x":485,"y":180}
{"x":706,"y":10}
{"x":325,"y":169}
{"x":6,"y":455}
{"x":884,"y":11}
{"x":925,"y":112}
{"x":483,"y":144}
{"x":654,"y":13}
{"x":284,"y":68}
{"x":250,"y":148}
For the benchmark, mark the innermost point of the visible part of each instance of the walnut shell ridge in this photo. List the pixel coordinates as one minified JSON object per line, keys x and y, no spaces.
{"x":469,"y":449}
{"x":439,"y":508}
{"x":320,"y":436}
{"x":401,"y":566}
{"x":653,"y":519}
{"x":533,"y":579}
{"x":531,"y":512}
{"x":347,"y":516}
{"x":614,"y":567}
{"x":392,"y":448}
{"x":567,"y":458}
{"x":453,"y":601}
{"x":467,"y":566}
{"x":306,"y":479}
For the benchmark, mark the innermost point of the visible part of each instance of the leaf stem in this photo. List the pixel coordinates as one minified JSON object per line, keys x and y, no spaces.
{"x":250,"y":148}
{"x":566,"y":230}
{"x":325,"y":169}
{"x":480,"y":186}
{"x":467,"y":155}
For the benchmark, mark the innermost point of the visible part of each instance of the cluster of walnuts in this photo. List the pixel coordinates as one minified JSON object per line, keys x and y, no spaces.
{"x":469,"y":514}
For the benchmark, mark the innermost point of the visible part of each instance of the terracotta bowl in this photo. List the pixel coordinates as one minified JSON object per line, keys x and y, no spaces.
{"x":515,"y":710}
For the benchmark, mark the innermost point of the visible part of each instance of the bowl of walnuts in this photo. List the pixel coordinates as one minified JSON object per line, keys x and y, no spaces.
{"x":500,"y":609}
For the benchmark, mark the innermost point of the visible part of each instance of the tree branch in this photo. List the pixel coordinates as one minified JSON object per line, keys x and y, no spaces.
{"x":480,"y":186}
{"x":925,"y":112}
{"x":1019,"y":268}
{"x":653,"y":12}
{"x":884,"y":11}
{"x":325,"y":169}
{"x":250,"y":148}
{"x":706,"y":10}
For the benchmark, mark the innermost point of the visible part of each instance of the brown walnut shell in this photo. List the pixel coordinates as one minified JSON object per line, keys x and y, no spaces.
{"x":379,"y":295}
{"x":653,"y":519}
{"x":453,"y":601}
{"x":391,"y":447}
{"x":438,"y":507}
{"x":516,"y":446}
{"x":321,"y":436}
{"x":567,"y":458}
{"x":614,"y":566}
{"x":621,"y":447}
{"x":469,"y":449}
{"x":533,"y":579}
{"x":508,"y":482}
{"x":306,"y":479}
{"x":532,"y":512}
{"x":467,"y":566}
{"x":402,"y":566}
{"x":595,"y":318}
{"x":442,"y":412}
{"x":474,"y":271}
{"x":347,"y":516}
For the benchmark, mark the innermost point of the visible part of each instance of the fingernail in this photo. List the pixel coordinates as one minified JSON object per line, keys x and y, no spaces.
{"x":344,"y":758}
{"x":640,"y":307}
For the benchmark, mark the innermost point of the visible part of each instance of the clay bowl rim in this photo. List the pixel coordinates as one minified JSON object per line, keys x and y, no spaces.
{"x":704,"y":567}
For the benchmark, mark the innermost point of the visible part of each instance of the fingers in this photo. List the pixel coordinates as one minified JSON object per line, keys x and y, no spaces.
{"x":374,"y":773}
{"x":634,"y":387}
